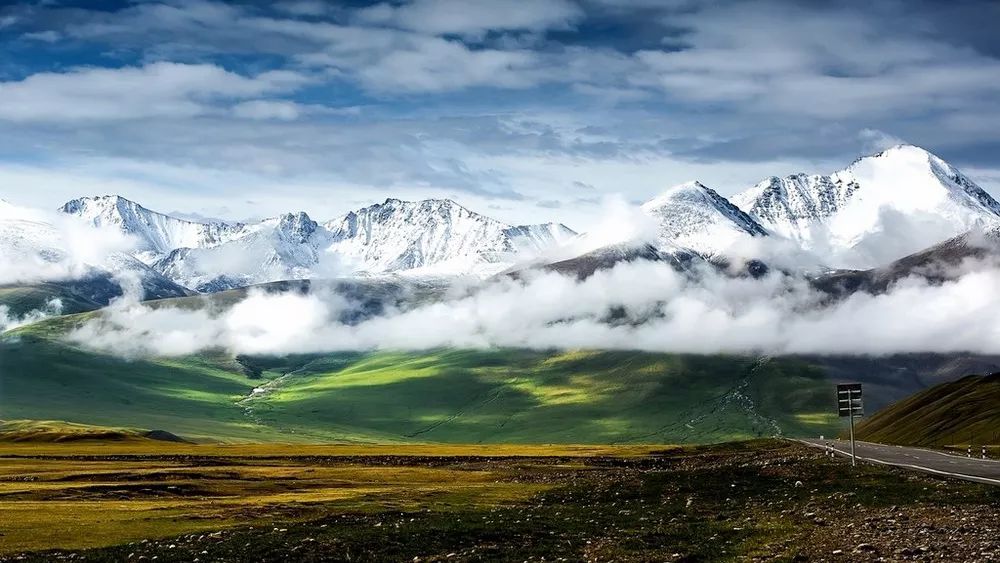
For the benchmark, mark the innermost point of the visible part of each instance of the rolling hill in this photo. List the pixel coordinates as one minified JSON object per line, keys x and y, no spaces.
{"x":958,"y":412}
{"x":451,"y":396}
{"x":447,"y":396}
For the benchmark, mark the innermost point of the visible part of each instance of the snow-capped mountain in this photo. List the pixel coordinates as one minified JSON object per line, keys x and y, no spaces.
{"x":291,"y":246}
{"x":39,"y":247}
{"x":695,"y":217}
{"x":880,"y":208}
{"x":435,"y":236}
{"x":431,"y":237}
{"x":156,"y":233}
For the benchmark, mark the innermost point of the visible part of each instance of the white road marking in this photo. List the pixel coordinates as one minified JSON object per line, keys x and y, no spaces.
{"x":965,"y":476}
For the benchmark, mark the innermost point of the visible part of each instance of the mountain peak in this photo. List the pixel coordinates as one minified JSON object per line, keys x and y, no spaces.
{"x":903,"y":148}
{"x":904,"y":192}
{"x":295,"y":226}
{"x":692,"y":215}
{"x":98,"y":203}
{"x":157,"y":233}
{"x":902,"y":152}
{"x":293,"y":217}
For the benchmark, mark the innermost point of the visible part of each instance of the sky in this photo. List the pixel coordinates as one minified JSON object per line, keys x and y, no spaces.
{"x":527,"y":111}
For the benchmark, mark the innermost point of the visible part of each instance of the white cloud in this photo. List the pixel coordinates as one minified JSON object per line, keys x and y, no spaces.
{"x":474,"y":17}
{"x":155,"y":90}
{"x":303,"y":7}
{"x":10,"y":321}
{"x":267,"y":109}
{"x":876,"y":140}
{"x":438,"y":65}
{"x":49,"y":36}
{"x":826,"y":63}
{"x":819,"y":74}
{"x":664,"y":312}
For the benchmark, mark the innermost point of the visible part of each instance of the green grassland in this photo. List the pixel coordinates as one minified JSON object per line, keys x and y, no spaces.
{"x":960,"y":412}
{"x":441,"y":396}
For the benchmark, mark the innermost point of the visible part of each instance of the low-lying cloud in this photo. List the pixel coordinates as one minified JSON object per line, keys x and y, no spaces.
{"x":638,"y":306}
{"x":38,"y":246}
{"x":10,"y":320}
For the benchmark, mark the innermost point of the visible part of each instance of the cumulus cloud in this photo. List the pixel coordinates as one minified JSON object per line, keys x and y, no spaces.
{"x":638,"y":306}
{"x":467,"y":17}
{"x":267,"y":109}
{"x":435,"y":65}
{"x":155,"y":90}
{"x":843,"y":56}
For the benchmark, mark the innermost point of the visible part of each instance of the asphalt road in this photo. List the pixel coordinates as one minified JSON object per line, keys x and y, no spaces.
{"x":919,"y":459}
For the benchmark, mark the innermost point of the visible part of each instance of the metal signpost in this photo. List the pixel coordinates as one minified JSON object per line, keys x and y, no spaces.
{"x":849,"y":405}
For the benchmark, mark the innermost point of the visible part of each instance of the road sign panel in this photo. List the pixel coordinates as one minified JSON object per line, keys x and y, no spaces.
{"x":849,"y":401}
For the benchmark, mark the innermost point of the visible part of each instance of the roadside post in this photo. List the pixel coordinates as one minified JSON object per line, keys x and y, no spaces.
{"x":849,"y":405}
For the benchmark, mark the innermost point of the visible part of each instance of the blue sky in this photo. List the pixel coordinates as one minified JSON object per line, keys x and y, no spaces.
{"x":524,"y":110}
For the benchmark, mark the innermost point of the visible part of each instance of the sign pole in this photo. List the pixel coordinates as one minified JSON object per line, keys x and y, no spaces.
{"x":854,"y":458}
{"x":849,"y":404}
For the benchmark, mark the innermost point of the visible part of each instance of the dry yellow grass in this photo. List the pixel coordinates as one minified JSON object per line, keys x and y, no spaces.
{"x":155,"y":448}
{"x":89,"y":494}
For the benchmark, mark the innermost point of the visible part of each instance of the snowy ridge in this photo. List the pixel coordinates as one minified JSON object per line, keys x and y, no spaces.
{"x":882,"y":207}
{"x":40,"y":247}
{"x":434,"y":235}
{"x":695,"y":217}
{"x":156,"y":233}
{"x":291,"y":246}
{"x":425,"y":238}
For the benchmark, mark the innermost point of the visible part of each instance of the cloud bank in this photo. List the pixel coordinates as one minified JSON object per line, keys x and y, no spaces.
{"x":636,"y":306}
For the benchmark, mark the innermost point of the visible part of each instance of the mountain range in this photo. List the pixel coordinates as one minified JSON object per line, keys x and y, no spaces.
{"x":880,"y":208}
{"x":430,"y":237}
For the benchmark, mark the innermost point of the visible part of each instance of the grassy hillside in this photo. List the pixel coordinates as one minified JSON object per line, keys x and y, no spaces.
{"x":23,"y":299}
{"x":947,"y":414}
{"x":450,"y":396}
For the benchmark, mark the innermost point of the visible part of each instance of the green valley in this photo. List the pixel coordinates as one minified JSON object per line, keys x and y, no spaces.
{"x":447,"y":396}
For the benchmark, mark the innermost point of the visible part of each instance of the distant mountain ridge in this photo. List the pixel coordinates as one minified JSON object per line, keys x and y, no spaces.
{"x":877,"y":210}
{"x":432,"y":237}
{"x":156,"y":233}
